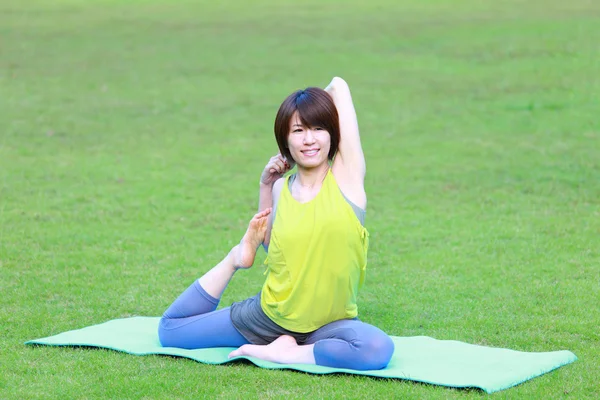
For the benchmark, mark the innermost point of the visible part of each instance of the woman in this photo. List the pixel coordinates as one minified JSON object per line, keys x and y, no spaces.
{"x":317,"y":251}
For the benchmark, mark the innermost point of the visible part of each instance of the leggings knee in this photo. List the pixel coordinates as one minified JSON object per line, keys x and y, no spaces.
{"x":371,"y":353}
{"x":165,"y":339}
{"x":378,"y":352}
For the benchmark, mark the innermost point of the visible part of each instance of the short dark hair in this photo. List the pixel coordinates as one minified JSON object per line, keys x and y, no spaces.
{"x":315,"y":109}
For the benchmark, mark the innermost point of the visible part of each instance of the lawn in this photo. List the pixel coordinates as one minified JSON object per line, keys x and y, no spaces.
{"x":133,"y":135}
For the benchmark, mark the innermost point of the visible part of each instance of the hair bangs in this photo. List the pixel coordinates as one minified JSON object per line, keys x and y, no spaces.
{"x":314,"y":111}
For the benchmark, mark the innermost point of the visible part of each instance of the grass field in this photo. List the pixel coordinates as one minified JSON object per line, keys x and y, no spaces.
{"x":133,"y":134}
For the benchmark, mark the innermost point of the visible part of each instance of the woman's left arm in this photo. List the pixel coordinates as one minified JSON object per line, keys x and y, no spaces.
{"x":349,"y":166}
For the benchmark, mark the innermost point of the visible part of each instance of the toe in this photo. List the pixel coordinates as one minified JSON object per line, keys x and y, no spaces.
{"x":237,"y":352}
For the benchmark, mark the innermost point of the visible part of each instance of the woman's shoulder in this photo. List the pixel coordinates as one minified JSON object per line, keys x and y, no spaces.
{"x":278,"y":186}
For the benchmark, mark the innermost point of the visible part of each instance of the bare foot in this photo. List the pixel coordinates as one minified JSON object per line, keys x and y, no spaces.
{"x":244,"y":253}
{"x":283,"y":350}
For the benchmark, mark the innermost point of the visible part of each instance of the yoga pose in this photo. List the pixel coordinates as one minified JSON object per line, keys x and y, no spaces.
{"x":311,"y":224}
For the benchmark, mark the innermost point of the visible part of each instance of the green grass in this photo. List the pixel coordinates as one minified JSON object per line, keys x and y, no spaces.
{"x":133,"y":134}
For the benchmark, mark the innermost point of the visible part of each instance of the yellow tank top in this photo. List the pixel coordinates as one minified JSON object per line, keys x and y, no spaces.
{"x":316,"y":261}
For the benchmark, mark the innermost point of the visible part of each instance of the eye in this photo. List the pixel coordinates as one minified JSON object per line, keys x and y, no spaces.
{"x":297,"y":130}
{"x":318,"y":128}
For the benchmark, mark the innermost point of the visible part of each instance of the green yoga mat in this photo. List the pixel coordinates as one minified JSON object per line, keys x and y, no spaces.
{"x":420,"y":358}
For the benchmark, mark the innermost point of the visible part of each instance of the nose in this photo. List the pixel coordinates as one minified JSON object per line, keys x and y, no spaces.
{"x":309,"y":137}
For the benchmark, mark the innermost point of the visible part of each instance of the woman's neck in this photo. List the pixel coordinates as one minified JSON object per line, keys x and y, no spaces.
{"x":310,"y":178}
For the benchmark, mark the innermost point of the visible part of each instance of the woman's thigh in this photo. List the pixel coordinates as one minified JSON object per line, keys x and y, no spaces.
{"x":213,"y":329}
{"x":346,"y":329}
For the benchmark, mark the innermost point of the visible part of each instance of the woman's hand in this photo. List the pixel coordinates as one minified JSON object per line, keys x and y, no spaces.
{"x":275,"y":168}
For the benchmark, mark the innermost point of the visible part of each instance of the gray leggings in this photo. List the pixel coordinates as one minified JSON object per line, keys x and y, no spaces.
{"x":191,"y":322}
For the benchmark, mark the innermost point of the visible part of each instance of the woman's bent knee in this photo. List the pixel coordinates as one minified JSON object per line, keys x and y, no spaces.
{"x":169,"y":335}
{"x":163,"y":334}
{"x":378,"y":352}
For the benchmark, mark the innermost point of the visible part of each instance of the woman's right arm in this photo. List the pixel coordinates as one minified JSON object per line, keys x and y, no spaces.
{"x":275,"y":196}
{"x":265,"y":196}
{"x":271,"y":181}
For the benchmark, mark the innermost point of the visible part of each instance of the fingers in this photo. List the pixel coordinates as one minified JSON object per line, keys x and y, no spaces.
{"x":279,"y":166}
{"x":279,"y":159}
{"x":289,"y":164}
{"x":285,"y":162}
{"x":275,"y":169}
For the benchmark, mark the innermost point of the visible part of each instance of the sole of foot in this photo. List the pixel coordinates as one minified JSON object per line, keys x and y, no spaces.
{"x":284,"y":350}
{"x":254,"y":236}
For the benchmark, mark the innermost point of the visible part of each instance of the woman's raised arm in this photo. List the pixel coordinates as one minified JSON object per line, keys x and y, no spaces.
{"x":349,"y":166}
{"x":270,"y":186}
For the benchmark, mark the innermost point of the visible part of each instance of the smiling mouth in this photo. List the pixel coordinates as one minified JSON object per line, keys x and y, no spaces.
{"x":310,"y":153}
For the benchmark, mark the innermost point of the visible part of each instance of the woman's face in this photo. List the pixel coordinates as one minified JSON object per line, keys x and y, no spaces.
{"x":309,"y":146}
